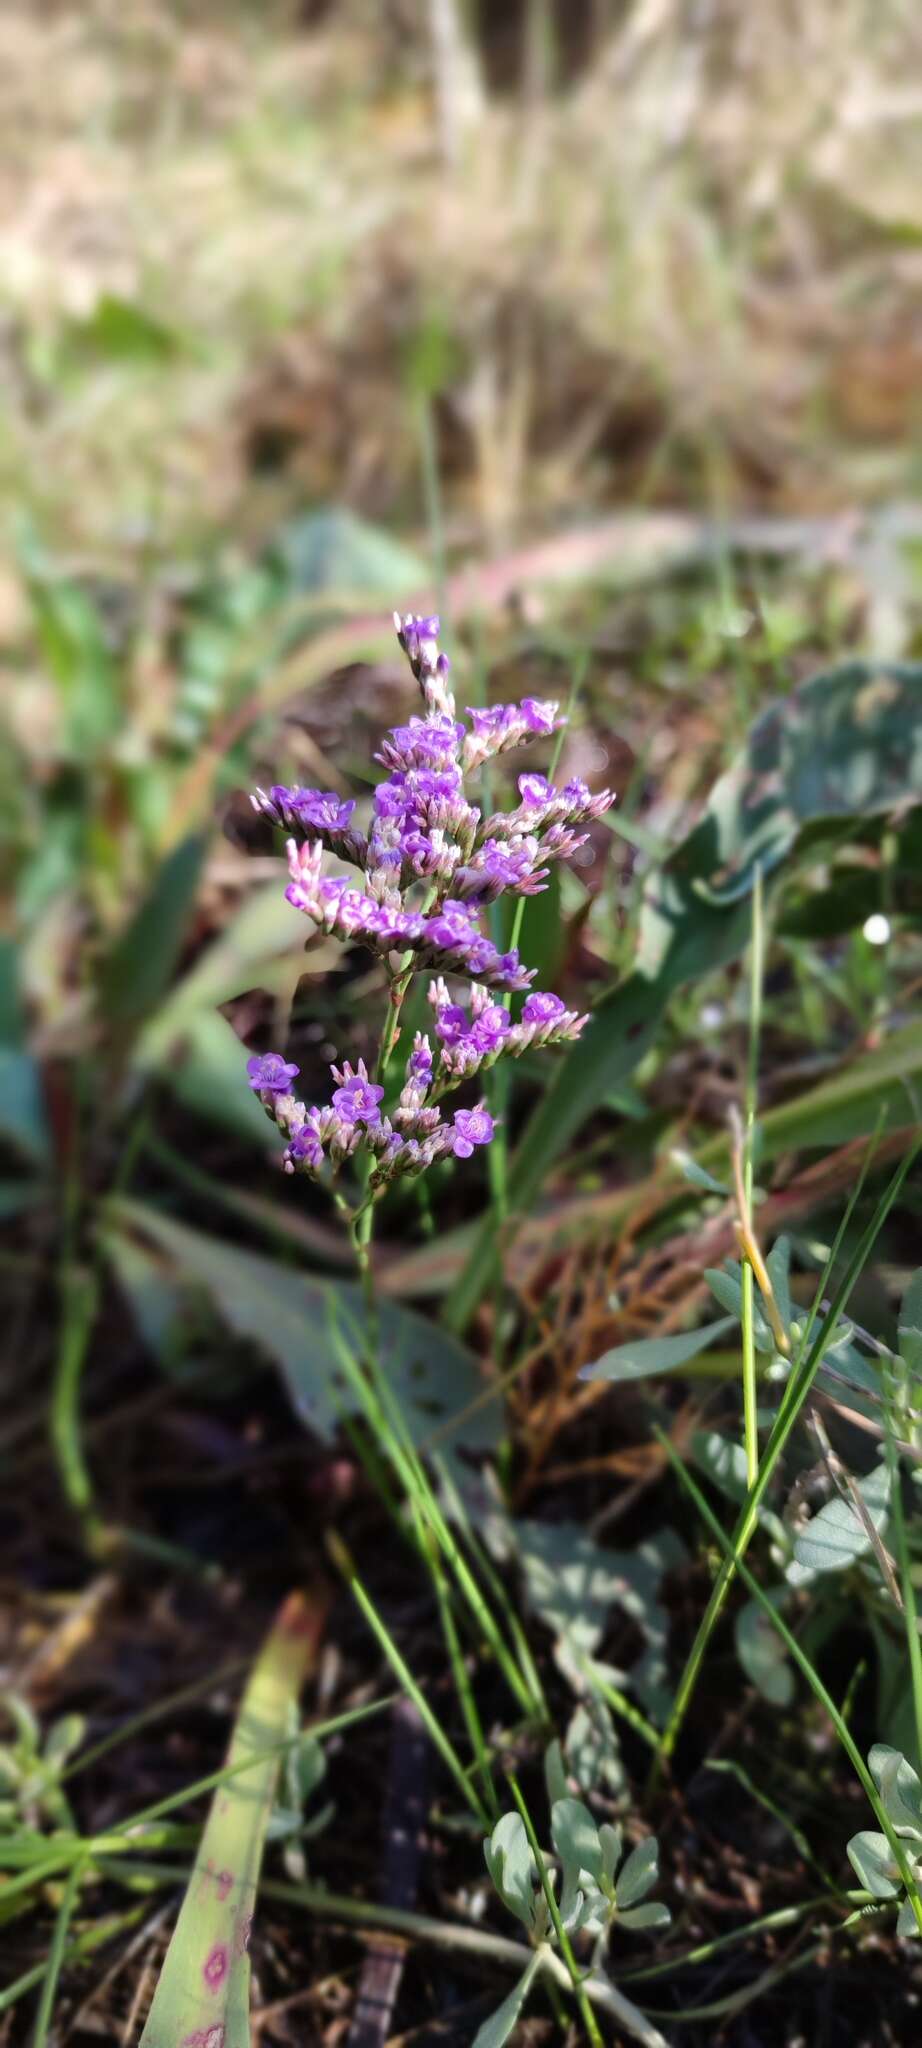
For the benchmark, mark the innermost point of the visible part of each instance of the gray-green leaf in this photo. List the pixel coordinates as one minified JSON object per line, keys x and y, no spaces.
{"x":836,"y":1537}
{"x":498,"y":2027}
{"x":512,"y":1866}
{"x":639,"y":1873}
{"x":646,"y":1356}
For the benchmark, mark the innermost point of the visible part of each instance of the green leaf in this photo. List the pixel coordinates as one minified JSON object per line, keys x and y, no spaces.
{"x":591,"y":1744}
{"x":762,"y":1653}
{"x":78,"y":656}
{"x":333,"y":550}
{"x":639,"y":1874}
{"x":266,"y":928}
{"x":206,"y":1069}
{"x":22,"y":1111}
{"x":512,"y":1867}
{"x":835,"y":1538}
{"x":203,"y":1991}
{"x":906,"y":1923}
{"x":300,"y":1322}
{"x":652,"y":1914}
{"x":898,"y":1785}
{"x":555,"y":1776}
{"x":911,"y":1324}
{"x":723,"y":1462}
{"x":847,"y":744}
{"x":498,"y":2027}
{"x":871,"y":1858}
{"x":725,"y":1283}
{"x":121,"y":331}
{"x":141,"y":963}
{"x":644,"y":1357}
{"x":698,"y":1175}
{"x":875,"y":1090}
{"x":576,"y":1840}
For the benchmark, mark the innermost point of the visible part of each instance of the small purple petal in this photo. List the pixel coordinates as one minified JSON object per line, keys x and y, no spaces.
{"x":268,"y":1073}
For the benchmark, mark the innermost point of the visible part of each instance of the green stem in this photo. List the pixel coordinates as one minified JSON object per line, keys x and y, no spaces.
{"x":729,"y":1547}
{"x":79,"y":1294}
{"x":750,"y":1417}
{"x":795,"y":1394}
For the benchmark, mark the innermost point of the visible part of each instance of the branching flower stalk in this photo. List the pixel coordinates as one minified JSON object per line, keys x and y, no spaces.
{"x":429,"y":865}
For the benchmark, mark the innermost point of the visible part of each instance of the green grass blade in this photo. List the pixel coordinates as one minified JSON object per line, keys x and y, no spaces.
{"x":203,"y":1990}
{"x":730,"y":1549}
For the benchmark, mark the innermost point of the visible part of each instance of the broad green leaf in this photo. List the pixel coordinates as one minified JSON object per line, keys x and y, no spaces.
{"x":906,"y":1923}
{"x":911,"y":1324}
{"x":652,"y":1914}
{"x":300,"y":1322}
{"x":698,"y":1175}
{"x":723,"y":1461}
{"x":610,"y":1843}
{"x":644,"y":1357}
{"x":205,"y":1067}
{"x":141,"y":963}
{"x":574,"y":1836}
{"x":638,"y":1874}
{"x":555,"y":1776}
{"x":591,"y":1744}
{"x":871,"y":1858}
{"x":78,"y":656}
{"x":266,"y":927}
{"x":512,"y":1867}
{"x":124,"y":332}
{"x":898,"y":1785}
{"x":22,"y":1111}
{"x":836,"y":1538}
{"x":726,"y":1286}
{"x":203,"y":1991}
{"x":762,"y":1653}
{"x":847,"y":744}
{"x":878,"y":1089}
{"x":498,"y":2027}
{"x":333,"y":550}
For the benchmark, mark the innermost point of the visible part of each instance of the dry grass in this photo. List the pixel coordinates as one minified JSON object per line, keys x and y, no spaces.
{"x":692,"y":275}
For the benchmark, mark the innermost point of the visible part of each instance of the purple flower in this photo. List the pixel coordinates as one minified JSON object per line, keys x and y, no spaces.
{"x":424,"y":743}
{"x":540,"y":714}
{"x":304,"y":1145}
{"x":470,"y":1127}
{"x":542,"y":1009}
{"x":419,"y":1064}
{"x":452,"y":929}
{"x":490,"y":1027}
{"x":535,"y":790}
{"x":270,"y":1073}
{"x":322,"y":809}
{"x":493,"y":721}
{"x":451,"y":1024}
{"x":356,"y":1100}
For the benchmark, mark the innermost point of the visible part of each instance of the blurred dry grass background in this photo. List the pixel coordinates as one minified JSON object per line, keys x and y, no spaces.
{"x":660,"y":252}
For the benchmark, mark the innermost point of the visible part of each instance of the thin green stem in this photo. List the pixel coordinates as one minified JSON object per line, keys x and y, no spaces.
{"x":459,"y":1668}
{"x":795,"y":1394}
{"x":79,"y":1294}
{"x":904,"y":1560}
{"x":404,"y":1675}
{"x":566,"y":1949}
{"x":69,"y":1899}
{"x":750,"y":1398}
{"x":728,"y":1544}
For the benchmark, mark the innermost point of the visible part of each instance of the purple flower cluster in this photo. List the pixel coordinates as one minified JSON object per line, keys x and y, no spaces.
{"x":417,"y":1136}
{"x":448,"y":938}
{"x":429,"y":862}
